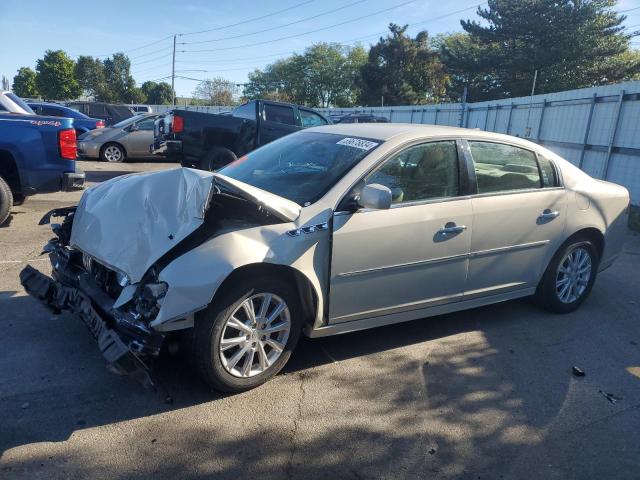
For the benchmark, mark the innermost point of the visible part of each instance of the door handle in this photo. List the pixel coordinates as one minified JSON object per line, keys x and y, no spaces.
{"x":548,"y":214}
{"x":451,"y":227}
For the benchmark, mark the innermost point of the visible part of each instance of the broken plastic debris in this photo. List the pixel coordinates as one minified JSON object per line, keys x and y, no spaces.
{"x":577,"y":372}
{"x":610,"y":396}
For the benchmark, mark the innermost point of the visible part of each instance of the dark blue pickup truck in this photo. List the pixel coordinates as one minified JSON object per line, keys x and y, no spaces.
{"x":37,"y":153}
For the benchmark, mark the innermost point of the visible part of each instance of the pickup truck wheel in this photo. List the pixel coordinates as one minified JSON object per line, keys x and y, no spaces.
{"x":6,"y":201}
{"x":112,"y":152}
{"x":247,"y":335}
{"x":217,"y":158}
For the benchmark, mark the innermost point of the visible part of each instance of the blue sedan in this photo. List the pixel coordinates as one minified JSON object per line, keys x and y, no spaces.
{"x":81,"y":122}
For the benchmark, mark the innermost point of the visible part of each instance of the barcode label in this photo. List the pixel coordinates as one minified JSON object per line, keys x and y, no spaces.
{"x":358,"y":143}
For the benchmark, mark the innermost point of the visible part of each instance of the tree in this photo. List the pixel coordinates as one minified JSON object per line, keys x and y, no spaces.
{"x":324,"y":75}
{"x":55,"y":76}
{"x":157,"y":93}
{"x":572,"y":44}
{"x":89,"y":72}
{"x":119,"y":85}
{"x":216,"y":91}
{"x":24,"y":83}
{"x":403,"y":70}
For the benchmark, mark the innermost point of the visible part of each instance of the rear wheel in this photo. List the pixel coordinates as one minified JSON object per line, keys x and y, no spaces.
{"x":6,"y":200}
{"x":217,"y":158}
{"x":247,"y":336}
{"x":569,"y":276}
{"x":112,"y":152}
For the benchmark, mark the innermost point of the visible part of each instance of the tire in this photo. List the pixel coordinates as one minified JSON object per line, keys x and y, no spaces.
{"x":6,"y":201}
{"x":112,"y":152}
{"x":215,"y":365}
{"x":217,"y":158}
{"x":552,"y":293}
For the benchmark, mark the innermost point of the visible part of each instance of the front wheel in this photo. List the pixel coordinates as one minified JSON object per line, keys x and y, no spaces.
{"x":112,"y":152}
{"x":569,"y":277}
{"x":245,"y":337}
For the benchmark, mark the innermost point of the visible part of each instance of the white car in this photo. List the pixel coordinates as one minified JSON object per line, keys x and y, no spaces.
{"x":329,"y":230}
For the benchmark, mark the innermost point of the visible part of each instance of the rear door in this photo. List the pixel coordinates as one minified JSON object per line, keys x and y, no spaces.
{"x":277,"y":121}
{"x":518,"y":217}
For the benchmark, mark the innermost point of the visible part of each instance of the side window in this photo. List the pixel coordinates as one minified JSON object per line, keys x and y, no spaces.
{"x":97,"y":109}
{"x":53,"y":112}
{"x":247,"y":111}
{"x":501,"y":168}
{"x":548,"y":171}
{"x":146,"y":124}
{"x":421,"y":172}
{"x":279,"y":114}
{"x":311,"y":119}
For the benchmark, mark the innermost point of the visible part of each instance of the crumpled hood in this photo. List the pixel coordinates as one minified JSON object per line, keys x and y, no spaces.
{"x":99,"y":134}
{"x":129,"y":222}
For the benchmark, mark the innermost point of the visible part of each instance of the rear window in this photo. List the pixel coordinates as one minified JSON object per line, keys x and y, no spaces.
{"x":121,"y":110}
{"x":247,"y":111}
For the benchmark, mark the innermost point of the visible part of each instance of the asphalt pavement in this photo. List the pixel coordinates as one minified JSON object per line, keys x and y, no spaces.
{"x":483,"y":394}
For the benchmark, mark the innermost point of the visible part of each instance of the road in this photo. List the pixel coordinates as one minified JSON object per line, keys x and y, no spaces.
{"x":482,"y":394}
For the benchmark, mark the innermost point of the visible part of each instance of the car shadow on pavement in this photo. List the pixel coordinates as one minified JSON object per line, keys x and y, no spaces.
{"x":483,"y":393}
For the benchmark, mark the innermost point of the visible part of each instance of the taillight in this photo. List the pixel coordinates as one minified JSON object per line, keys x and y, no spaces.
{"x":67,"y":144}
{"x":99,"y":124}
{"x":178,"y":124}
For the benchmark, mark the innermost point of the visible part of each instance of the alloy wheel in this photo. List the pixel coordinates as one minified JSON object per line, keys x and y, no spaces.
{"x":254,"y":335}
{"x":112,"y":153}
{"x":574,"y":274}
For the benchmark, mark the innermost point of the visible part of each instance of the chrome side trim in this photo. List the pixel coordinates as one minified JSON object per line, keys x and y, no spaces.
{"x":363,"y":324}
{"x":509,"y":248}
{"x":403,"y":265}
{"x":492,"y":251}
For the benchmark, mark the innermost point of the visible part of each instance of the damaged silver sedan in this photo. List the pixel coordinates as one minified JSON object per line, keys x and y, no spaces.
{"x":326,"y":231}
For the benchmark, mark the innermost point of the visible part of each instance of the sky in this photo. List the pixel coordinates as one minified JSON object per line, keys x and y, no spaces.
{"x":233,"y":40}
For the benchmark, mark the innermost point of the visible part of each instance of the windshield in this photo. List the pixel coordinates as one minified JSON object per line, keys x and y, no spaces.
{"x":18,"y":101}
{"x":125,"y":122}
{"x":301,"y":167}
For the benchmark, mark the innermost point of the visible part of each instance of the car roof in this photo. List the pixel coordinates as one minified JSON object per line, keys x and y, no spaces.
{"x":387,"y":131}
{"x":48,"y":104}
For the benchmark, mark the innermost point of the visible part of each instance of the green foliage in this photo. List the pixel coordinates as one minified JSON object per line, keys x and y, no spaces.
{"x":24,"y":83}
{"x":572,"y":44}
{"x":403,"y":70}
{"x":324,"y":75}
{"x":157,"y":93}
{"x":119,"y":85}
{"x":216,"y":91}
{"x":56,"y":77}
{"x":89,"y":72}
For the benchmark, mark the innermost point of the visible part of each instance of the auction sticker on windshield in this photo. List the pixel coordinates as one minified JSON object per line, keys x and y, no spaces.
{"x":358,"y":143}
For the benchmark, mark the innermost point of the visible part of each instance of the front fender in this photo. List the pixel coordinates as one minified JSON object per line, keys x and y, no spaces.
{"x":195,"y":276}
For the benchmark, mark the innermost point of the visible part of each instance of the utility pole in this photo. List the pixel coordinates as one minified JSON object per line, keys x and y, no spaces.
{"x":527,"y":132}
{"x":173,"y":72}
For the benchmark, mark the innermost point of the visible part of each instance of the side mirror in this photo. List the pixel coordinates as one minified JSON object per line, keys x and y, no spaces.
{"x":134,"y":128}
{"x":375,"y":196}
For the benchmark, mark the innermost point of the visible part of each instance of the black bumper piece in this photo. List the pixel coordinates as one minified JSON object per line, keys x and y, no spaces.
{"x":73,"y":180}
{"x":59,"y":297}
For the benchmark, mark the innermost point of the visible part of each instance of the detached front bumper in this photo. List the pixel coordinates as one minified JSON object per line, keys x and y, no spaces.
{"x":125,"y":343}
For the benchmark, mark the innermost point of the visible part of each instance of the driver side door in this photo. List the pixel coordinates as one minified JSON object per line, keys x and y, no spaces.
{"x":138,"y":140}
{"x":413,"y":255}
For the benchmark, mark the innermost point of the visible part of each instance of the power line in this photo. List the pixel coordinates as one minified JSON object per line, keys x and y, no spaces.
{"x":247,"y":21}
{"x":277,"y":27}
{"x":304,"y":33}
